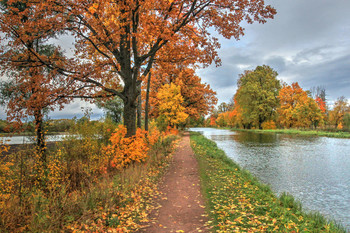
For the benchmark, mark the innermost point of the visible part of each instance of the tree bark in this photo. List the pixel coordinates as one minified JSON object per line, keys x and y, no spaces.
{"x":129,"y":116}
{"x":130,"y":106}
{"x":147,"y":101}
{"x":139,"y":109}
{"x":40,"y":136}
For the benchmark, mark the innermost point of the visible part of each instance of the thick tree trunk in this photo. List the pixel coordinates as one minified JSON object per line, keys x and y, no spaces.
{"x":40,"y":136}
{"x":130,"y":92}
{"x":147,"y":101}
{"x":129,"y":116}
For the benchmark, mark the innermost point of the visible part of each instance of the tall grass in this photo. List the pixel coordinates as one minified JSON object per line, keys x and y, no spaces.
{"x":72,"y":192}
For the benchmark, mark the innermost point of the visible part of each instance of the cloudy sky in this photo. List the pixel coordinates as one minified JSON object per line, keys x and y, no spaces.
{"x":307,"y":42}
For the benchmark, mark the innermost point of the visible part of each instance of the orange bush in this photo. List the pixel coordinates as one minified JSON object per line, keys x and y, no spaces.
{"x":171,"y":131}
{"x":153,"y":136}
{"x":268,"y":125}
{"x":212,"y":121}
{"x":124,"y":151}
{"x":340,"y":126}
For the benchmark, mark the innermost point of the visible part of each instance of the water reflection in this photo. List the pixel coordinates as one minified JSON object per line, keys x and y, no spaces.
{"x":316,"y":170}
{"x":30,"y":139}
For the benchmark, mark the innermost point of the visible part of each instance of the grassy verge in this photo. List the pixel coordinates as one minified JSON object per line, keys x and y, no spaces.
{"x":320,"y":133}
{"x":237,"y":202}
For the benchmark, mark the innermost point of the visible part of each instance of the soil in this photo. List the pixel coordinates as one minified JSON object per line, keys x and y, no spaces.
{"x":181,"y":203}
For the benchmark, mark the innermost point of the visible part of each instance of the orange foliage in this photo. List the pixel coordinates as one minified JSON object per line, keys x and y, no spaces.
{"x":340,"y":126}
{"x":123,"y":150}
{"x":212,"y":121}
{"x":231,"y":118}
{"x":199,"y":98}
{"x":289,"y":97}
{"x":6,"y":183}
{"x":297,"y":109}
{"x":170,"y":105}
{"x":336,"y":115}
{"x":321,"y":104}
{"x":117,"y":43}
{"x":268,"y":125}
{"x":153,"y":136}
{"x":222,"y":119}
{"x":171,"y":131}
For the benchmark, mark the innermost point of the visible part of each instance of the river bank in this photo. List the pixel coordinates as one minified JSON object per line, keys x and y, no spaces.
{"x":237,"y":201}
{"x":80,"y":189}
{"x":305,"y":132}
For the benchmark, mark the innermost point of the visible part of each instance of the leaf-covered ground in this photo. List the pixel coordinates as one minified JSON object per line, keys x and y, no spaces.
{"x":133,"y":195}
{"x":132,"y":209}
{"x":237,"y":202}
{"x":182,"y":204}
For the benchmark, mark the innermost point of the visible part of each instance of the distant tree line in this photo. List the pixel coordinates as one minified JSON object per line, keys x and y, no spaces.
{"x":50,"y":126}
{"x":264,"y":102}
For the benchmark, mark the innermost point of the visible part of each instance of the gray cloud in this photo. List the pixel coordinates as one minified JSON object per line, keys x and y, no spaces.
{"x":74,"y":109}
{"x":307,"y":42}
{"x":77,"y":108}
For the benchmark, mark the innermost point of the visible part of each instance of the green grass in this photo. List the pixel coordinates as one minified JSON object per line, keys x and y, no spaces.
{"x":238,"y":202}
{"x":320,"y":133}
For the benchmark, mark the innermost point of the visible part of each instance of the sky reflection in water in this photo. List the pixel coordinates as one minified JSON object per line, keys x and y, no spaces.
{"x":315,"y":170}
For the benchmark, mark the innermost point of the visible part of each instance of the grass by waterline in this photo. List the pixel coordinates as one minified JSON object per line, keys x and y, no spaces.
{"x":320,"y":133}
{"x":238,"y":202}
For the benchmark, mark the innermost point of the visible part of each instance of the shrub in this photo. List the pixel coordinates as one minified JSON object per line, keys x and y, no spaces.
{"x":72,"y":190}
{"x":124,"y":151}
{"x":268,"y":125}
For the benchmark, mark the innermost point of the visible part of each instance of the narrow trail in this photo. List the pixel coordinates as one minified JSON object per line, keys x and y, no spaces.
{"x":182,"y":205}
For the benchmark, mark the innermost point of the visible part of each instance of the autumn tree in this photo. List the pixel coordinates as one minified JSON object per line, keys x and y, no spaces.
{"x":340,"y":107}
{"x":321,"y":104}
{"x":297,"y":109}
{"x":199,"y":98}
{"x":212,"y":121}
{"x":171,"y":111}
{"x":223,"y":119}
{"x":116,"y":42}
{"x":308,"y":113}
{"x":31,"y":87}
{"x":346,"y":119}
{"x":319,"y":94}
{"x":32,"y":91}
{"x":257,"y":95}
{"x":223,"y":107}
{"x":170,"y":66}
{"x":227,"y":114}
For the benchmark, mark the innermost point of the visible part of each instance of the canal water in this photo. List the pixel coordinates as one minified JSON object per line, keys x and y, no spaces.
{"x":315,"y":170}
{"x":15,"y":140}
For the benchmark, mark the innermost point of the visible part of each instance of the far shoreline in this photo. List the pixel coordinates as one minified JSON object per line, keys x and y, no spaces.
{"x":303,"y":132}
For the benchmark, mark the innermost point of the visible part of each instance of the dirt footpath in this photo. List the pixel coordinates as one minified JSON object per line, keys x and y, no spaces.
{"x":182,"y":205}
